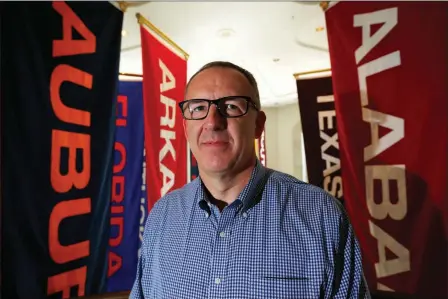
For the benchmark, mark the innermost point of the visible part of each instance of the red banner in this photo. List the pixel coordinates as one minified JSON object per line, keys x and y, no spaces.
{"x":390,"y":80}
{"x":164,"y":81}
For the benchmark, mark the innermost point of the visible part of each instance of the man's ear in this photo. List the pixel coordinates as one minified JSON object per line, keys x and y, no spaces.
{"x":259,"y":124}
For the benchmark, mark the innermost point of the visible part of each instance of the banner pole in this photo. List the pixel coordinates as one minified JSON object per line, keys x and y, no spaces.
{"x":131,"y":75}
{"x":297,"y":75}
{"x":143,"y":21}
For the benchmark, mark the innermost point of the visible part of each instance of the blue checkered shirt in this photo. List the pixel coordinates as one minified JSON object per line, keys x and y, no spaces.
{"x":281,"y":238}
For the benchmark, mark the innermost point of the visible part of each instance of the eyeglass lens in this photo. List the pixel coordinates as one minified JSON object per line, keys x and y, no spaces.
{"x":234,"y":107}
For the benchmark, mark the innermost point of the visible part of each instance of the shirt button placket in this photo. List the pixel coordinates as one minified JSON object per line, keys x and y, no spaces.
{"x":221,"y":255}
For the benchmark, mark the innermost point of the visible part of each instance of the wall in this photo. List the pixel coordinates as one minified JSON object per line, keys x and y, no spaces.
{"x":284,"y":147}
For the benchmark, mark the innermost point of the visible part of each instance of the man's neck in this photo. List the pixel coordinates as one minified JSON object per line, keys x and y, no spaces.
{"x":225,"y":188}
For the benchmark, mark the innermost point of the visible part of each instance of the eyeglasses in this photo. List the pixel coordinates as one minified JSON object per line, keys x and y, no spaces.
{"x":229,"y":107}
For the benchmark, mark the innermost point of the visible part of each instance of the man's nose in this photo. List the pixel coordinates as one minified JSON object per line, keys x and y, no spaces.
{"x":214,"y":119}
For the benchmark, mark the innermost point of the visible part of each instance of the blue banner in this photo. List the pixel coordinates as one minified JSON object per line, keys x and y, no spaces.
{"x":59,"y":70}
{"x":128,"y":202}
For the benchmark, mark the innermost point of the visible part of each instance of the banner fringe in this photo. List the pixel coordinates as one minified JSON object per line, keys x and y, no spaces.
{"x":143,"y":21}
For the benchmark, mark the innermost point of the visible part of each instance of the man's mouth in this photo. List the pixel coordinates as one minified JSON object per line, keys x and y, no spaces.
{"x":215,"y":143}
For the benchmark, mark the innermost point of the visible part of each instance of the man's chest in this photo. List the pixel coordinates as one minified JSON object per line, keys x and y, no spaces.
{"x":241,"y":258}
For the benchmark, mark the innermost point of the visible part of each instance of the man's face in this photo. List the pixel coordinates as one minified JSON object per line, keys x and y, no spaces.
{"x":222,"y":144}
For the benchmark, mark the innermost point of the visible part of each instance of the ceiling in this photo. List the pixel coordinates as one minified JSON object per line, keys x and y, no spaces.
{"x":273,"y":40}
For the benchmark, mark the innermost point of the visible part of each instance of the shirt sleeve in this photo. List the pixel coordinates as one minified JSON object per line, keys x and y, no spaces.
{"x":143,"y":278}
{"x":140,"y":284}
{"x":137,"y":290}
{"x":346,"y":277}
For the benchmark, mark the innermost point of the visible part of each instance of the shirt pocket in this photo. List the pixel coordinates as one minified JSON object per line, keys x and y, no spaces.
{"x":287,"y":276}
{"x":279,"y":287}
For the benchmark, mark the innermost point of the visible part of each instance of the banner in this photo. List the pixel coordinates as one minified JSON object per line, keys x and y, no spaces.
{"x":59,"y":70}
{"x":164,"y":81}
{"x":128,"y":202}
{"x":320,"y":134}
{"x":1,"y":146}
{"x":260,"y":148}
{"x":194,"y":170}
{"x":390,"y":72}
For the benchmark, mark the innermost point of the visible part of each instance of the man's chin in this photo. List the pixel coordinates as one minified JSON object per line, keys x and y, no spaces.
{"x":215,"y":164}
{"x":221,"y":167}
{"x":215,"y":147}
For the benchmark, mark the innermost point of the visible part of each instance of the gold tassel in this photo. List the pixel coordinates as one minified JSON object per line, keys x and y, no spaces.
{"x":324,"y":5}
{"x":123,"y":5}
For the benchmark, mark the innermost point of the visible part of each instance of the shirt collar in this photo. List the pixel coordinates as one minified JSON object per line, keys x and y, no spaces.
{"x":249,"y":196}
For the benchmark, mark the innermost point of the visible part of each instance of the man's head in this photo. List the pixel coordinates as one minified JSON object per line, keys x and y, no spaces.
{"x":223,"y":144}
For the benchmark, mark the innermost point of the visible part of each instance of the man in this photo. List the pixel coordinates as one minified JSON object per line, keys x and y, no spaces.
{"x":241,"y":230}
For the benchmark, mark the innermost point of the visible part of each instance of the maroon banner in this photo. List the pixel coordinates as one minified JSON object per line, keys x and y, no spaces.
{"x":320,"y":135}
{"x":164,"y":81}
{"x":390,"y":80}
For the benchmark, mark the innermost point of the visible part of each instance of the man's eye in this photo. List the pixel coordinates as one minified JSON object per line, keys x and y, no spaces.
{"x":197,"y":108}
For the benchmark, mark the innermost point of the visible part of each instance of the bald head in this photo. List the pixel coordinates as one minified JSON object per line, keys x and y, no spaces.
{"x":246,"y":76}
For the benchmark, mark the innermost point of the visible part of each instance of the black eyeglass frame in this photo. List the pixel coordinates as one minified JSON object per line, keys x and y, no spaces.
{"x":216,"y":102}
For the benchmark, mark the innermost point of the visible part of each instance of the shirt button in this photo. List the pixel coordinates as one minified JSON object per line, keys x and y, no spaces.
{"x":217,"y":280}
{"x":206,"y":214}
{"x":222,"y":234}
{"x":244,"y":215}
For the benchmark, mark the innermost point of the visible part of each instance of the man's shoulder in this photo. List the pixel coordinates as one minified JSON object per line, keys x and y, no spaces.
{"x":301,"y":202}
{"x":177,"y":196}
{"x":302,"y":193}
{"x":287,"y":181}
